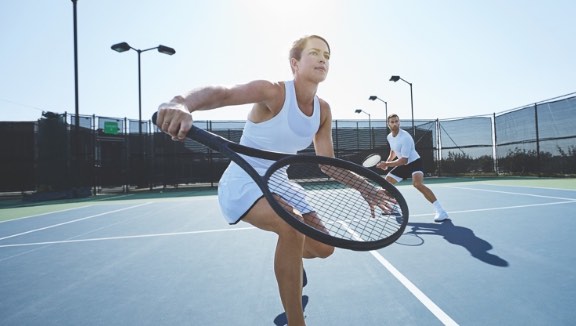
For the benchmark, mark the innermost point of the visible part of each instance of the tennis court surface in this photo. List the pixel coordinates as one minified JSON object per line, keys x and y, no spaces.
{"x":505,"y":258}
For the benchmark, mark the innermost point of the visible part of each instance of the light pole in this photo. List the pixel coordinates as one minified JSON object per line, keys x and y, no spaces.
{"x":123,"y":47}
{"x":369,"y":124}
{"x":374,"y":98}
{"x":76,"y":117}
{"x":397,"y":78}
{"x":76,"y":134}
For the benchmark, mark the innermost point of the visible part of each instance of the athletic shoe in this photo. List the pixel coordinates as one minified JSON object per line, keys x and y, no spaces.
{"x":304,"y":278}
{"x":442,"y":216}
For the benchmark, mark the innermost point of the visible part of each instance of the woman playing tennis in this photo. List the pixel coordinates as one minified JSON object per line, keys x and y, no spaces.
{"x":285,"y":117}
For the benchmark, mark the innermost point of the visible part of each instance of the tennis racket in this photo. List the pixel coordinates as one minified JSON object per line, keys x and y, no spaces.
{"x":371,"y":160}
{"x":350,"y":206}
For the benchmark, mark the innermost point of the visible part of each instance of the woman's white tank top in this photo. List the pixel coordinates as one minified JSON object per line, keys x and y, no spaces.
{"x":288,"y":132}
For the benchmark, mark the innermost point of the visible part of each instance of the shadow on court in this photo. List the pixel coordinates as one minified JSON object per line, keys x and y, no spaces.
{"x":281,"y":320}
{"x":461,"y":236}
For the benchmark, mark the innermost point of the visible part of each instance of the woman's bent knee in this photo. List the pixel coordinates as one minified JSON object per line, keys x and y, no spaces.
{"x":287,"y":231}
{"x":326,"y":251}
{"x":315,"y":249}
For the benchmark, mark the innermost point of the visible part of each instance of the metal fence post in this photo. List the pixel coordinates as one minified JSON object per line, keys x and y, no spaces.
{"x":537,"y":138}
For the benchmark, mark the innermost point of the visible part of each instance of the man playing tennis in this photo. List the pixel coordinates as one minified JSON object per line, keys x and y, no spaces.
{"x":406,"y":163}
{"x":285,"y":117}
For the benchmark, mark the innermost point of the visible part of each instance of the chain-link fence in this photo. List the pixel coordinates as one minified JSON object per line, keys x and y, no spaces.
{"x":53,"y":155}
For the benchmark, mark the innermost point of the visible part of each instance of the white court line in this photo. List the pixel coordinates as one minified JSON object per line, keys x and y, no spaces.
{"x":423,"y":298}
{"x":500,"y":208}
{"x":564,"y":201}
{"x":99,"y":201}
{"x":520,"y":186}
{"x":73,"y":221}
{"x":512,"y":193}
{"x":123,"y":237}
{"x":55,"y":212}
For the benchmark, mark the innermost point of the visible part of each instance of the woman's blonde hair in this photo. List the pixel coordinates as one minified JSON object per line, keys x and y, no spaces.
{"x":299,"y":45}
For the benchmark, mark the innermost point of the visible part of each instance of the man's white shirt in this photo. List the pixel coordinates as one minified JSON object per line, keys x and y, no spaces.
{"x":403,"y":145}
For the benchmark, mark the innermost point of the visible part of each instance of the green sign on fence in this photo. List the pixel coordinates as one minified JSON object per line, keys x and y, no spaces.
{"x":111,"y":127}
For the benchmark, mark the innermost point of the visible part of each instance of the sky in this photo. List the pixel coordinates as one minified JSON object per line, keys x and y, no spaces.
{"x":463,"y":58}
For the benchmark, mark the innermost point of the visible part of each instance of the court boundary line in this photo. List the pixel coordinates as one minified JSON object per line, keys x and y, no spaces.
{"x":107,"y":200}
{"x":520,"y":186}
{"x":411,"y":287}
{"x":124,"y":237}
{"x":421,"y":296}
{"x":72,"y":221}
{"x":42,"y":214}
{"x":498,"y":208}
{"x":513,"y":193}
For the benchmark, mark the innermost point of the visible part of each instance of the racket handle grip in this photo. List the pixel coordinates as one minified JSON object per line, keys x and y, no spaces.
{"x":210,"y":140}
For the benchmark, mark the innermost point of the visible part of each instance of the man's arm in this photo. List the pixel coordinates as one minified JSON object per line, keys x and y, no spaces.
{"x":391,"y":156}
{"x":397,"y":162}
{"x":392,"y":161}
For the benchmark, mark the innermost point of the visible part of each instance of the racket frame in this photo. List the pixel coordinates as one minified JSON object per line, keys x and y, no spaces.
{"x":358,"y":245}
{"x":369,"y":158}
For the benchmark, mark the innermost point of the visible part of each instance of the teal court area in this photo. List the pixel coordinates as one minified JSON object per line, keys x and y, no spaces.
{"x":505,"y":258}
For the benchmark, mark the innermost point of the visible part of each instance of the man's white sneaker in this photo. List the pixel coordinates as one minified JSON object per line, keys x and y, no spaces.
{"x":442,"y":216}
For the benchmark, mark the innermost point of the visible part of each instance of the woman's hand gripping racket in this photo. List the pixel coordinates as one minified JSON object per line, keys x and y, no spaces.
{"x":333,"y":201}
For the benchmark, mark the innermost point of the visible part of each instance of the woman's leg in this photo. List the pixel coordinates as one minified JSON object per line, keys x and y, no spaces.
{"x":287,"y":259}
{"x":313,"y":248}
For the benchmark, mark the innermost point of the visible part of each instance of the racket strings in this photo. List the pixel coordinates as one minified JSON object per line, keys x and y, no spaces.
{"x":342,"y":203}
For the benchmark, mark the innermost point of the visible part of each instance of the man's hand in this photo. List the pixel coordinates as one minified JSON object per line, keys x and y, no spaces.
{"x":382,"y":165}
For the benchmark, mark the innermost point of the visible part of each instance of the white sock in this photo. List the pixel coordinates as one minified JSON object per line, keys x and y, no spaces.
{"x":437,"y":206}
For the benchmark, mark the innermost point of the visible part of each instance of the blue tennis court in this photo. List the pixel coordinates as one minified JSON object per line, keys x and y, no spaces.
{"x":505,"y":258}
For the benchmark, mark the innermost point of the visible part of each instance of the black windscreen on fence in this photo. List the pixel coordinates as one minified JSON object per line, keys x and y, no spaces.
{"x":51,"y":154}
{"x":18,"y":151}
{"x":539,"y":139}
{"x":466,"y":145}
